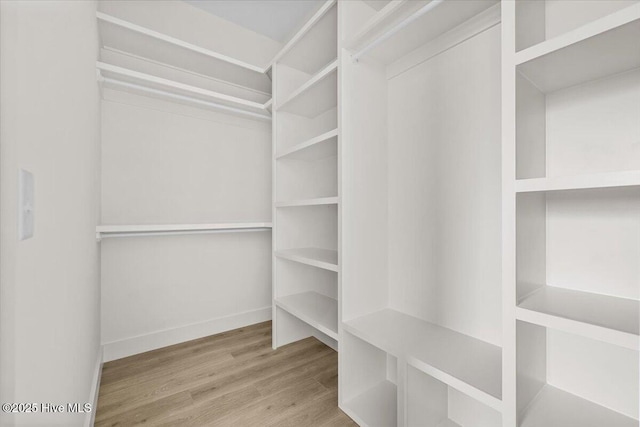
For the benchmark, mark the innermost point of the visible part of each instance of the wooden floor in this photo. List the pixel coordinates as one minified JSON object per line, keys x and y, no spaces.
{"x":231,"y":379}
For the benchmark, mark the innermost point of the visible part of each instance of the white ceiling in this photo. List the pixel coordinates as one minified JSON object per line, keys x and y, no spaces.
{"x":276,"y":19}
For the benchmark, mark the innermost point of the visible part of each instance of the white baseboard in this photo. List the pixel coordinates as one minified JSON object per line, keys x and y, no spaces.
{"x":95,"y":388}
{"x":130,"y":346}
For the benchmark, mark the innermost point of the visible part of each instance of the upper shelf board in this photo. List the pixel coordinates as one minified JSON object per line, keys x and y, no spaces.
{"x":127,"y":37}
{"x":465,"y":363}
{"x":308,"y":202}
{"x":318,"y":148}
{"x":316,"y":257}
{"x":579,"y":182}
{"x":402,"y":26}
{"x":600,"y":317}
{"x":602,"y":48}
{"x":136,"y":82}
{"x":317,"y":95}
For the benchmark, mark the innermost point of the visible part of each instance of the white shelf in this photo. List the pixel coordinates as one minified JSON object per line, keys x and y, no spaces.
{"x":320,"y":147}
{"x":579,"y":182}
{"x":298,"y":39}
{"x":375,"y":407}
{"x":601,"y":317}
{"x":553,"y":407}
{"x":122,"y":36}
{"x":308,"y":202}
{"x":602,"y":48}
{"x":317,"y":310}
{"x":147,"y":84}
{"x":401,"y":27}
{"x":322,"y":258}
{"x":465,"y":363}
{"x":317,"y":95}
{"x":103,"y":231}
{"x":448,"y":423}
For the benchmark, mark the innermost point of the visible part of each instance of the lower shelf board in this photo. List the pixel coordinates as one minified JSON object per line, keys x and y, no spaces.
{"x":376,"y":407}
{"x":602,"y":317}
{"x":317,"y":310}
{"x":553,"y":407}
{"x":471,"y":366}
{"x":316,"y":257}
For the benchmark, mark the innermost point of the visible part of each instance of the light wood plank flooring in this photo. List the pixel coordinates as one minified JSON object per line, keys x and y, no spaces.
{"x":230,"y":379}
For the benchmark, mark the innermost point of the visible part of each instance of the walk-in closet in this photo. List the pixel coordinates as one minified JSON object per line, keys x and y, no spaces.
{"x":375,"y":213}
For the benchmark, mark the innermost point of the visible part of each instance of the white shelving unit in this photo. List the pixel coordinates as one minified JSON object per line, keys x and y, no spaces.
{"x":147,"y":62}
{"x":571,"y":213}
{"x":306,"y":262}
{"x":419,"y":85}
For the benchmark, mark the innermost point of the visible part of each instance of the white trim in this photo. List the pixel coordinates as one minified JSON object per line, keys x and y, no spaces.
{"x":95,"y":390}
{"x":154,"y":340}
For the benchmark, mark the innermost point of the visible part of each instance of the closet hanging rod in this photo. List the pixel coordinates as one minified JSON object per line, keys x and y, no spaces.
{"x":176,"y":96}
{"x":176,"y":230}
{"x":396,"y":28}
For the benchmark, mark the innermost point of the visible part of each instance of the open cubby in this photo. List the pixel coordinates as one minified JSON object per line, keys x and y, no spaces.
{"x":292,"y":129}
{"x":309,"y":293}
{"x":568,"y":380}
{"x":307,"y":227}
{"x":432,"y":403}
{"x":305,"y":179}
{"x":369,"y":378}
{"x":540,"y":20}
{"x":577,"y":261}
{"x":589,"y":131}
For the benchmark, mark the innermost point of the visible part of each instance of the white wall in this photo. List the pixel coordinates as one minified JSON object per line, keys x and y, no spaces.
{"x":49,"y":301}
{"x":165,"y":163}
